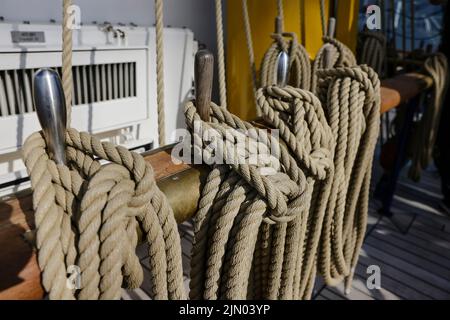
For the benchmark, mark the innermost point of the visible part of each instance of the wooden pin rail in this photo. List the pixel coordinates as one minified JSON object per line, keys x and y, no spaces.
{"x":20,"y":274}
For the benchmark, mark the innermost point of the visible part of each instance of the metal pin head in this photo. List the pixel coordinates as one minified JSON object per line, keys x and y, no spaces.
{"x":49,"y":100}
{"x":331,"y":27}
{"x":282,"y":69}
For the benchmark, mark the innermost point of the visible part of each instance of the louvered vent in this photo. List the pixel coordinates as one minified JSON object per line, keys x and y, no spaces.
{"x":91,"y":83}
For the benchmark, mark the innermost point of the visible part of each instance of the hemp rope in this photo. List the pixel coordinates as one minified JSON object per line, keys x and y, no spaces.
{"x":249,"y":227}
{"x":67,"y":59}
{"x":87,"y":215}
{"x":338,"y":53}
{"x":373,"y":50}
{"x":159,"y":32}
{"x":299,"y":63}
{"x":425,"y":136}
{"x":352,"y":105}
{"x":221,"y":55}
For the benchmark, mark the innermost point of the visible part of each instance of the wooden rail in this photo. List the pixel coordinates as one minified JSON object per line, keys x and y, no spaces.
{"x":20,"y":274}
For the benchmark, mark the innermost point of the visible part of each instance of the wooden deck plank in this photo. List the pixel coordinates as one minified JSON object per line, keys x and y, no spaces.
{"x":407,"y":281}
{"x":410,"y":258}
{"x":383,"y":234}
{"x":415,"y":271}
{"x":416,"y":241}
{"x":393,"y":285}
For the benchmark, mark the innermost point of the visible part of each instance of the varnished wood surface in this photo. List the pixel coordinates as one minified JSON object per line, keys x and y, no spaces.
{"x":401,"y":88}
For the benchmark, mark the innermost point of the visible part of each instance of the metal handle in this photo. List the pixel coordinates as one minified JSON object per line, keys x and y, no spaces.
{"x":327,"y":52}
{"x":49,"y":100}
{"x":282,"y":69}
{"x":331,"y":27}
{"x":204,"y":72}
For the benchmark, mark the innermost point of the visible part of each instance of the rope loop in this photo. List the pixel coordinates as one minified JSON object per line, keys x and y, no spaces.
{"x":299,"y":63}
{"x":88,"y":214}
{"x":225,"y":127}
{"x":298,"y":115}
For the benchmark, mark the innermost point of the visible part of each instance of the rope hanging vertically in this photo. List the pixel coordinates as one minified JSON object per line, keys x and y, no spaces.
{"x":425,"y":136}
{"x":249,"y":226}
{"x":373,"y":50}
{"x":221,"y":54}
{"x":67,"y":57}
{"x":351,"y":99}
{"x":159,"y":31}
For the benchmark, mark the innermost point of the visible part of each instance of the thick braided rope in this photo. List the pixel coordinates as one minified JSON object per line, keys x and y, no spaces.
{"x":280,"y":12}
{"x":299,"y":63}
{"x":299,"y":117}
{"x":233,"y":214}
{"x":100,"y":236}
{"x":338,"y":53}
{"x":159,"y":14}
{"x":436,"y":66}
{"x":221,"y":54}
{"x":352,"y":101}
{"x":67,"y":58}
{"x":373,"y":50}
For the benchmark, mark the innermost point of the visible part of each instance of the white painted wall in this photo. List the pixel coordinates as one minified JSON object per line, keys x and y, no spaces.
{"x":197,"y":15}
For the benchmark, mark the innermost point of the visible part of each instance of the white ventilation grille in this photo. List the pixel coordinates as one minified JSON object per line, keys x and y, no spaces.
{"x":91,"y":84}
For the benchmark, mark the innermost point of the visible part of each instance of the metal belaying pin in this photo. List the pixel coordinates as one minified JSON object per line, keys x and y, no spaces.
{"x":50,"y":104}
{"x":204,"y":72}
{"x":282,"y":69}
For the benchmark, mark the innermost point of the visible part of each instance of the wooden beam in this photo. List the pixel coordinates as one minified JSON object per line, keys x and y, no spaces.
{"x":401,"y":88}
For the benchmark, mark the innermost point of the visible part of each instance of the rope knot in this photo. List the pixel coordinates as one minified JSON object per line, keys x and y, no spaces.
{"x":298,"y":116}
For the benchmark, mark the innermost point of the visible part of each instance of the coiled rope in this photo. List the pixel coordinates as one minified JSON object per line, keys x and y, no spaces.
{"x":425,"y":136}
{"x":332,"y":54}
{"x":250,"y":227}
{"x":87,"y":215}
{"x":373,"y":50}
{"x":351,"y":99}
{"x":299,"y":63}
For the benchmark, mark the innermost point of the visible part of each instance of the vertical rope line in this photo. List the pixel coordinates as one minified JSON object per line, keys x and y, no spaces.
{"x":160,"y":71}
{"x":221,"y":55}
{"x":251,"y":54}
{"x":67,"y":59}
{"x":280,"y":12}
{"x":322,"y":17}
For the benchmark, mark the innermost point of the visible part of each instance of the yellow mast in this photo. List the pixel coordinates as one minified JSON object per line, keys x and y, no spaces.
{"x":300,"y":16}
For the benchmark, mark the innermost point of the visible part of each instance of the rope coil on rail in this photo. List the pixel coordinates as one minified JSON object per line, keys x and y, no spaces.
{"x":242,"y":221}
{"x":87,"y":215}
{"x":351,"y":99}
{"x":299,"y":63}
{"x":373,"y":50}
